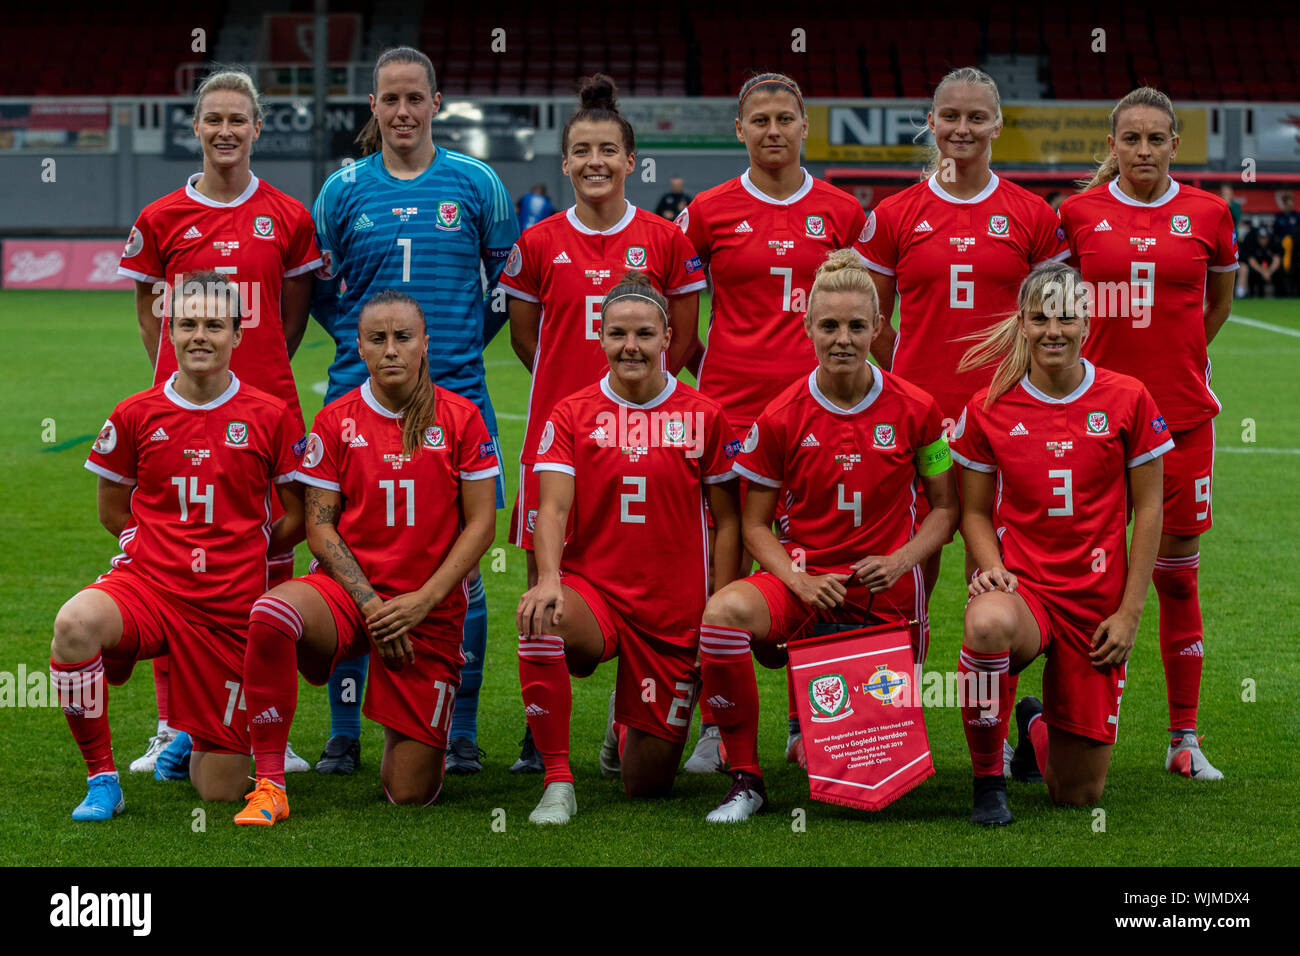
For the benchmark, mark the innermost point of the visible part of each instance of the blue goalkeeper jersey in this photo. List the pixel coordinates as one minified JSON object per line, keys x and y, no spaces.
{"x":426,"y":237}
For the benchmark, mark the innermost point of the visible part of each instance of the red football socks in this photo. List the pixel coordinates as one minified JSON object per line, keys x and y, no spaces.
{"x":727,"y":669}
{"x":548,"y":701}
{"x":986,"y":706}
{"x":1181,"y":645}
{"x":271,"y":681}
{"x":1038,"y":739}
{"x":83,"y":695}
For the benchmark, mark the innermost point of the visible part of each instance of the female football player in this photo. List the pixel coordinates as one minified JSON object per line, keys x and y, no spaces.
{"x":401,"y":484}
{"x":762,"y":236}
{"x":1173,"y":250}
{"x":430,"y":222}
{"x":227,"y":219}
{"x":954,"y":248}
{"x":845,"y":449}
{"x":560,"y":271}
{"x":185,"y":477}
{"x":631,"y":582}
{"x":1053,"y":451}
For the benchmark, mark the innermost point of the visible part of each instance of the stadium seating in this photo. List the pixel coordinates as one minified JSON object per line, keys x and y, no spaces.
{"x":678,"y":48}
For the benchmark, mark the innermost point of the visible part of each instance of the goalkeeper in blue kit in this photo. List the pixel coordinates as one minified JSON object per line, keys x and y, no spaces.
{"x":438,"y":226}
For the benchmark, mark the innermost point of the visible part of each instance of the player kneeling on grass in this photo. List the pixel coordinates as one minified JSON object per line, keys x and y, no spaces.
{"x":401,"y":496}
{"x":185,"y":472}
{"x":845,"y":448}
{"x":633,"y":458}
{"x":1054,"y":450}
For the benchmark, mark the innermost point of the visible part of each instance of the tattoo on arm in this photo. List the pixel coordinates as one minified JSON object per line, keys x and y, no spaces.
{"x":335,"y":556}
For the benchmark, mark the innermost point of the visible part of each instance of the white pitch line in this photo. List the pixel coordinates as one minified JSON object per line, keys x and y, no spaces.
{"x":1248,"y":449}
{"x":512,"y":417}
{"x":320,"y":388}
{"x":1266,"y":326}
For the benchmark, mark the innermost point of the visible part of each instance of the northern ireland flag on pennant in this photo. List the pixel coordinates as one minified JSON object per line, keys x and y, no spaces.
{"x":860,"y":715}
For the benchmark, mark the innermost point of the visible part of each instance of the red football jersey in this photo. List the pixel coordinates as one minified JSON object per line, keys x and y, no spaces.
{"x":1062,"y":480}
{"x":650,"y":557}
{"x":569,"y":268}
{"x":400,"y":516}
{"x":957,"y":265}
{"x":848,"y":477}
{"x":1147,"y":263}
{"x":259,"y":239}
{"x":201,"y":510}
{"x":761,"y":254}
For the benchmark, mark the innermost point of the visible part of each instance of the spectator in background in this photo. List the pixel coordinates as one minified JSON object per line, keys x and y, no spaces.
{"x":675,"y":200}
{"x":534,"y":206}
{"x":1054,"y":199}
{"x":1286,"y":230}
{"x":1235,"y":208}
{"x":1265,"y":263}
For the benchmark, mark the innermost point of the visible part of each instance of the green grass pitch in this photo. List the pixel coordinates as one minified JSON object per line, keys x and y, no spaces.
{"x":69,"y":357}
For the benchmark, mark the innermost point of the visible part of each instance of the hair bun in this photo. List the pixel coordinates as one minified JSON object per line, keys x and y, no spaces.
{"x":632,"y":277}
{"x":597,"y":92}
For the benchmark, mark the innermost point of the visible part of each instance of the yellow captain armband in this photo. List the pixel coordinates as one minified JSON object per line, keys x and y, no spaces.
{"x":934,"y":458}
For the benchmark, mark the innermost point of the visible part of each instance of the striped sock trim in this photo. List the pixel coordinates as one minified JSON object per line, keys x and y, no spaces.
{"x":476,"y":590}
{"x":541,"y":647}
{"x":724,"y":641}
{"x":278,"y":614}
{"x":1179,"y":564}
{"x":986,"y":663}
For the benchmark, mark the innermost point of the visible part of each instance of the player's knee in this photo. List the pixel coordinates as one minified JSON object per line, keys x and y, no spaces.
{"x":644,"y":786}
{"x":1077,"y":793}
{"x":408,"y":792}
{"x":77,"y":636}
{"x":988,"y":627}
{"x":219,"y":784}
{"x":727,"y":608}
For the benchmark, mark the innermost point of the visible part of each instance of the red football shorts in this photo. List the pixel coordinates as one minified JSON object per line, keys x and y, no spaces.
{"x":657,"y":682}
{"x":791,"y":618}
{"x":524,"y":517}
{"x":1189,"y":472}
{"x":207,"y":660}
{"x":416,"y":701}
{"x":1077,"y":697}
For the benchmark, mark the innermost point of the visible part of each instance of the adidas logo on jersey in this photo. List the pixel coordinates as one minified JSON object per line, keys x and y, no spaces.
{"x":535,"y":710}
{"x":810,"y":441}
{"x":159,"y":435}
{"x":924,"y":227}
{"x":744,"y":226}
{"x":1020,"y":429}
{"x":561,"y":259}
{"x":718,"y":702}
{"x":192,"y":233}
{"x":600,"y":435}
{"x":359,"y":442}
{"x":363,"y":222}
{"x":1102,"y":226}
{"x":271,"y":716}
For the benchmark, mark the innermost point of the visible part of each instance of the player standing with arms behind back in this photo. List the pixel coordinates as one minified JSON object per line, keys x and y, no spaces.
{"x":559,"y":273}
{"x":226,"y":219}
{"x":1172,"y":250}
{"x":1054,"y":453}
{"x":429,"y":222}
{"x":762,"y":236}
{"x":954,"y":248}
